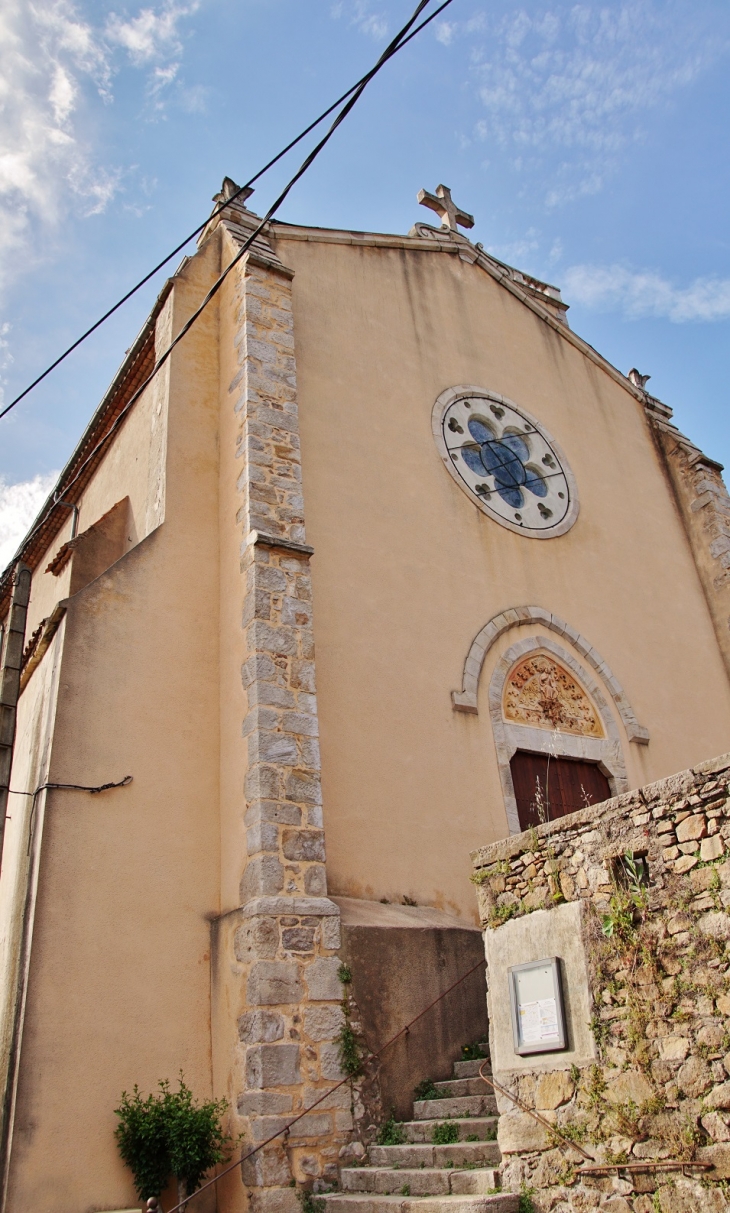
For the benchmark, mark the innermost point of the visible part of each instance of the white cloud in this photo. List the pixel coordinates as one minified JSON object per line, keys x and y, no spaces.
{"x":517,"y":251}
{"x":362,"y":17}
{"x":55,"y":64}
{"x":565,"y":86}
{"x":43,"y":51}
{"x":19,"y":505}
{"x":150,"y":35}
{"x":646,"y":293}
{"x":556,"y":252}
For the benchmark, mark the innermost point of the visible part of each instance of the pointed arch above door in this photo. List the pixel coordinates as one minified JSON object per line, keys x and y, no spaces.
{"x":465,"y":700}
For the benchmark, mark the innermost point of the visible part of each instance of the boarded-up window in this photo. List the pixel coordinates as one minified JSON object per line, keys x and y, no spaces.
{"x":548,"y":787}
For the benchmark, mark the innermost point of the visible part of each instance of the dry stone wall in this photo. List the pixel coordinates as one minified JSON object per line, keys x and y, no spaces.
{"x":652,"y":868}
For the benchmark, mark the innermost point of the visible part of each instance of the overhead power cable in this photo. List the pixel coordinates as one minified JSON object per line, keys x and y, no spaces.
{"x":390,"y":50}
{"x":227,"y":202}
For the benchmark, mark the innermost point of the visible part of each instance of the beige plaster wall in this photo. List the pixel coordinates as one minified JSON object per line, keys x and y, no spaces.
{"x":133,"y":466}
{"x":119,"y":986}
{"x":545,"y":933}
{"x":35,"y":721}
{"x":232,"y":697}
{"x":407,"y":570}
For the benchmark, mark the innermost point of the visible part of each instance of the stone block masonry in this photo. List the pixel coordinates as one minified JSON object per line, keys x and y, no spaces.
{"x":280,"y":950}
{"x":704,"y":505}
{"x":652,"y":871}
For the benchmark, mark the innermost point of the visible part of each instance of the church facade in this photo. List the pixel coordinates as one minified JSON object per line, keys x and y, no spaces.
{"x":385,"y":563}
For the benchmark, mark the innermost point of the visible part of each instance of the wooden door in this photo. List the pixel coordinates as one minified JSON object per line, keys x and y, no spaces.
{"x":547,"y":787}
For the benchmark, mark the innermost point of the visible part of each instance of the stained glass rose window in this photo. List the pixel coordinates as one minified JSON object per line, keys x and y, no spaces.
{"x":505,"y":461}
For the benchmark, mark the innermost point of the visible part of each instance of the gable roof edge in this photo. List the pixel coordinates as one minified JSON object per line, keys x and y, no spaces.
{"x":44,"y":528}
{"x":446,"y":244}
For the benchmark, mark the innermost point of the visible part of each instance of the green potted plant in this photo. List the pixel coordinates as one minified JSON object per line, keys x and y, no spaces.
{"x":169,"y":1133}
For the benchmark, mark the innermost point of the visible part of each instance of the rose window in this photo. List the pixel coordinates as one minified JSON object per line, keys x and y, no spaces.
{"x":505,"y":462}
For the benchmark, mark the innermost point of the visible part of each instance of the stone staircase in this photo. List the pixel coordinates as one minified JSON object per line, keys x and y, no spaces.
{"x":460,"y":1177}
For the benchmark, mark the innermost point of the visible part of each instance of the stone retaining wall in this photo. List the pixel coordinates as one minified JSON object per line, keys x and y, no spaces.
{"x":657,"y":954}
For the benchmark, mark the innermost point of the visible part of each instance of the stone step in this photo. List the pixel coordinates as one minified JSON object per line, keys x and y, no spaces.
{"x":470,"y":1069}
{"x":366,"y":1202}
{"x":484,"y":1128}
{"x":467,"y":1105}
{"x":425,"y":1155}
{"x":458,"y":1087}
{"x":419,"y":1181}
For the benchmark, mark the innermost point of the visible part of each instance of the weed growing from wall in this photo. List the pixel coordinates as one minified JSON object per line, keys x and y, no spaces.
{"x":350,"y":1051}
{"x":527,"y":1205}
{"x":391,"y":1132}
{"x":446,"y":1133}
{"x":427,"y":1090}
{"x":474,"y":1052}
{"x":308,"y":1202}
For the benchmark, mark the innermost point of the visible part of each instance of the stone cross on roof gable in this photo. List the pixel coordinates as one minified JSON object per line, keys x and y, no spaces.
{"x":441,"y":202}
{"x":229,"y":188}
{"x":637,"y":378}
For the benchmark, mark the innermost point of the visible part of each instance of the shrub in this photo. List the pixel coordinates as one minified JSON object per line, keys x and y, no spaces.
{"x":170,"y":1134}
{"x":142,"y":1140}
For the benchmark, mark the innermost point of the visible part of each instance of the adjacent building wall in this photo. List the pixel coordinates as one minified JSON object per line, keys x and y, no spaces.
{"x":118,"y":986}
{"x":644,"y":1079}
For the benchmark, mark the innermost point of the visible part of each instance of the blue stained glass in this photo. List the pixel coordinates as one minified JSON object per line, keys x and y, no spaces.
{"x":514,"y":497}
{"x":517,"y":445}
{"x":479,"y":431}
{"x":505,"y":460}
{"x":535,"y":483}
{"x":504,"y":465}
{"x":473,"y":460}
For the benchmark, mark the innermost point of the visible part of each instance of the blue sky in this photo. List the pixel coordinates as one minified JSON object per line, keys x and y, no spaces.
{"x":589,"y":140}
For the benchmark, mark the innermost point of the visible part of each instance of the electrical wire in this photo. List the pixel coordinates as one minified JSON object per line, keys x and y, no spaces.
{"x":227,"y":202}
{"x":73,"y":787}
{"x":387,"y":54}
{"x":63,"y":787}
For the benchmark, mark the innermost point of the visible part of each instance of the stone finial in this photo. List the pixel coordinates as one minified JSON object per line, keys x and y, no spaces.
{"x":229,"y":188}
{"x":638,"y":379}
{"x":442,"y":203}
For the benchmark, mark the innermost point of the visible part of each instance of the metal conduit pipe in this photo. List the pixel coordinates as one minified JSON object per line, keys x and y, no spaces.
{"x":70,"y":505}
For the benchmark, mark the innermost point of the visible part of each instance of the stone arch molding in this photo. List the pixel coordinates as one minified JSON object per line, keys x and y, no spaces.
{"x":465,"y":700}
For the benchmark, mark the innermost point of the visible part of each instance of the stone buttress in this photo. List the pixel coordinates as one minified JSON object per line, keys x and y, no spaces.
{"x":704,"y":506}
{"x":276,"y":971}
